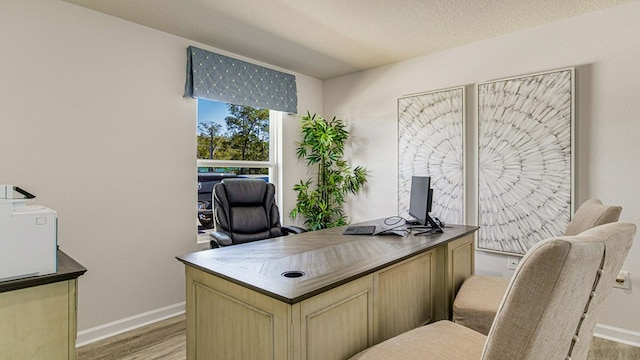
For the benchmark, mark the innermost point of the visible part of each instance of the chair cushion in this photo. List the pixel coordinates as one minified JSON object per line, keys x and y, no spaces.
{"x":241,"y":192}
{"x":590,"y":214}
{"x":248,"y":219}
{"x":477,"y":302}
{"x":440,"y":340}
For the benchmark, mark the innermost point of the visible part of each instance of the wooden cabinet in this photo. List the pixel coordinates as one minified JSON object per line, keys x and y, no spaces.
{"x":38,"y":315}
{"x":459,"y":264}
{"x":233,"y":322}
{"x":38,"y":322}
{"x":338,"y":323}
{"x":404,"y":296}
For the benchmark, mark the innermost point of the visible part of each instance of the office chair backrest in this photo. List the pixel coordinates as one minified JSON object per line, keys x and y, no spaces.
{"x":246,"y":209}
{"x":556,"y":294}
{"x":590,"y":214}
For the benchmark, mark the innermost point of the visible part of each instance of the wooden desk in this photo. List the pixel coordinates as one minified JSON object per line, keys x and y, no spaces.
{"x":38,"y":314}
{"x":356,"y":291}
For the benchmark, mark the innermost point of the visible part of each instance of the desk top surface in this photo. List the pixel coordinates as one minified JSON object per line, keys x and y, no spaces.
{"x":326,"y":257}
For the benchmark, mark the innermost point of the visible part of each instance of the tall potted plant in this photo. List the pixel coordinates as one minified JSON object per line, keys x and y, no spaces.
{"x":322,"y":146}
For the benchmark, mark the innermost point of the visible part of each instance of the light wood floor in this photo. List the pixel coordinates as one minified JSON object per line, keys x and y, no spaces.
{"x":166,"y":340}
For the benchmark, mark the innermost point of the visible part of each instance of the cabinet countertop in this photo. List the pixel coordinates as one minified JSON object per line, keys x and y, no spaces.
{"x":67,"y":269}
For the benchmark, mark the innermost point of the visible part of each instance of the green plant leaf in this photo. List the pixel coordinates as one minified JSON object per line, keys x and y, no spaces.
{"x":322,"y":147}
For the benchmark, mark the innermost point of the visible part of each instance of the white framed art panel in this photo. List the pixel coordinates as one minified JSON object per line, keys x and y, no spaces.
{"x":526,"y":159}
{"x":431,"y":139}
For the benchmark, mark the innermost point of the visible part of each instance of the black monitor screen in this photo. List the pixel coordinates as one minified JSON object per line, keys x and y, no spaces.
{"x":420,"y":200}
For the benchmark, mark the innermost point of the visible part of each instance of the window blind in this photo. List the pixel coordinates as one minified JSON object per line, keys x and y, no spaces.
{"x":221,"y":78}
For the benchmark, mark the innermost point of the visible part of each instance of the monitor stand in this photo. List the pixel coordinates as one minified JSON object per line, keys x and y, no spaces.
{"x":432,"y":228}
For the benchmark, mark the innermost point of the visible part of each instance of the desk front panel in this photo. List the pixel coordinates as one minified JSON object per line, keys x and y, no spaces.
{"x":228,"y":321}
{"x":337,"y":324}
{"x":405,"y":295}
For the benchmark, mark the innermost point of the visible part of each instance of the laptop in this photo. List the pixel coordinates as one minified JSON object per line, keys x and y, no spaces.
{"x":360,"y":230}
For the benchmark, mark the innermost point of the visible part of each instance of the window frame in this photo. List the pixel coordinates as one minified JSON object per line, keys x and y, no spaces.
{"x":273,"y":164}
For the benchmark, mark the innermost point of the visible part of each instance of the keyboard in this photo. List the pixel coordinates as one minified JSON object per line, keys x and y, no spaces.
{"x":360,"y":230}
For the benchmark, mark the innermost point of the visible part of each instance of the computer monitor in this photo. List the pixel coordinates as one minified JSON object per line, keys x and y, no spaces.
{"x":420,"y":203}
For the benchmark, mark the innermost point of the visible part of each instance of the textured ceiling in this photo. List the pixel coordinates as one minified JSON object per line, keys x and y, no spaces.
{"x":328,"y":38}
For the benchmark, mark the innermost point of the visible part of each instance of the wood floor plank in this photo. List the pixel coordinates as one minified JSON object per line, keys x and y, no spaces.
{"x":163,"y":340}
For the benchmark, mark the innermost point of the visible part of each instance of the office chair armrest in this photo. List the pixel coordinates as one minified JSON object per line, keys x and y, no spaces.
{"x":290,"y":229}
{"x":219,"y":239}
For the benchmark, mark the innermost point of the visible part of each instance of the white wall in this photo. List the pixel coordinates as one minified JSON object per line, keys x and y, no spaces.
{"x":604,"y":47}
{"x":93,"y":122}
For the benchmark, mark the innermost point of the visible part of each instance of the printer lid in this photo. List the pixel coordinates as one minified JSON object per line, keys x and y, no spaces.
{"x":7,"y":193}
{"x":8,"y":201}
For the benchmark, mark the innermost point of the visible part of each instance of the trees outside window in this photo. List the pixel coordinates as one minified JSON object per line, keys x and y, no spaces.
{"x":242,"y":135}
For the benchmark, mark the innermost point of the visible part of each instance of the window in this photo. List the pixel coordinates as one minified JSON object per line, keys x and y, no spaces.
{"x":232,"y":141}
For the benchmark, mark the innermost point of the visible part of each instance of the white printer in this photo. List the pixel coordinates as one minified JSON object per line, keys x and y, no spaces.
{"x":28,"y":236}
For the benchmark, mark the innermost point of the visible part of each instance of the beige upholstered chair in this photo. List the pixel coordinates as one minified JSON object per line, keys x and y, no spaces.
{"x":477,"y":301}
{"x":549,"y":310}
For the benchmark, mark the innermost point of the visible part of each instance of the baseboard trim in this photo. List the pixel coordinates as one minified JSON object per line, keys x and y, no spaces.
{"x":117,"y":327}
{"x":617,"y":334}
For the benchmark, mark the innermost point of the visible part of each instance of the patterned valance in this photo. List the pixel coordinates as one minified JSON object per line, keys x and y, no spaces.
{"x":221,"y":78}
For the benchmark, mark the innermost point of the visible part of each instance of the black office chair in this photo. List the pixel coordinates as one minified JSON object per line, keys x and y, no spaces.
{"x":245,"y":210}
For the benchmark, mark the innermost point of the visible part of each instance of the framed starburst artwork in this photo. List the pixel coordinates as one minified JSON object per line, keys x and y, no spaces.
{"x":431,"y":143}
{"x":526,"y":157}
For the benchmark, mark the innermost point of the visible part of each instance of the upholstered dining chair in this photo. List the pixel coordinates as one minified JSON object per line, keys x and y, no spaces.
{"x":245,"y":210}
{"x":549,"y":310}
{"x":477,"y":301}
